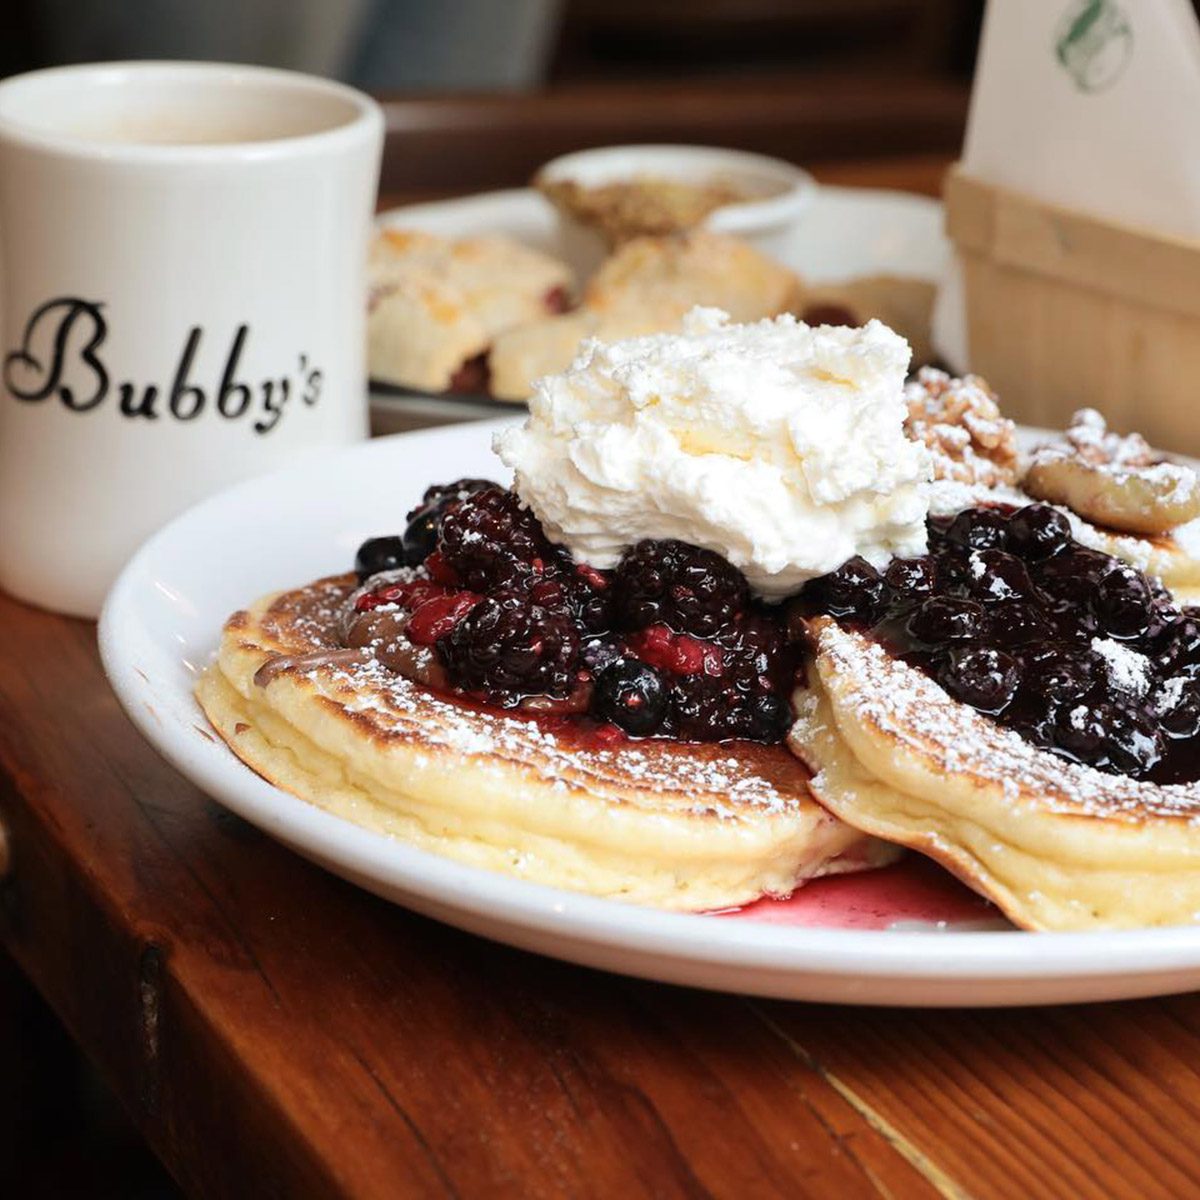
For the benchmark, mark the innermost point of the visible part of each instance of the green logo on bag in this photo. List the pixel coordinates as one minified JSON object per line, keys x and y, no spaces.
{"x":1094,"y":43}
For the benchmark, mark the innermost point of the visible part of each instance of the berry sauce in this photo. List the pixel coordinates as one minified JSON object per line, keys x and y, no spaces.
{"x":669,"y":643}
{"x":1078,"y":652}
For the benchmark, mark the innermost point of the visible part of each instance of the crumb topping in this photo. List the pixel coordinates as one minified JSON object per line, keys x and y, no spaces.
{"x":960,"y":423}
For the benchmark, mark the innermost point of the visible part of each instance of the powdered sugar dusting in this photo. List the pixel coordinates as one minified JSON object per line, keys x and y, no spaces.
{"x":1087,"y":439}
{"x":1128,"y":670}
{"x":906,"y":705}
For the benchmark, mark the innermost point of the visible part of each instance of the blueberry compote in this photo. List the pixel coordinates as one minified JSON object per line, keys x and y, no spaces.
{"x":1076,"y":651}
{"x":670,"y":643}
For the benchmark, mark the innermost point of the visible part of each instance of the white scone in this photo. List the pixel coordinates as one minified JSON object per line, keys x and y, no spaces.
{"x":1056,"y":845}
{"x":435,"y":304}
{"x":672,"y":824}
{"x":646,"y":286}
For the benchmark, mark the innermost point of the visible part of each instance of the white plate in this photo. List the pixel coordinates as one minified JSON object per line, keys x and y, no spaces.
{"x":161,"y":623}
{"x":843,"y":234}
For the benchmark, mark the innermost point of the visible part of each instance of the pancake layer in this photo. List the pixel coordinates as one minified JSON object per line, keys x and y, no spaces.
{"x":1057,"y":846}
{"x":671,"y":824}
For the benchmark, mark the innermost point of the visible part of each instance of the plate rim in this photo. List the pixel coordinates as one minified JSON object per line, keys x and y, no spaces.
{"x":705,"y":939}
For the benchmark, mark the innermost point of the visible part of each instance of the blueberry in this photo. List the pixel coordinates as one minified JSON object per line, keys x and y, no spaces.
{"x":979,"y":529}
{"x":1065,"y":678}
{"x":984,"y":678}
{"x":1038,"y":531}
{"x":1110,"y":737}
{"x":420,"y":537}
{"x":994,"y":575}
{"x":1135,"y":746}
{"x":1033,"y":716}
{"x":379,"y":554}
{"x":1178,"y":646}
{"x":946,"y":619}
{"x":912,"y":578}
{"x":630,"y":694}
{"x":1123,"y":602}
{"x":1082,"y":731}
{"x":1073,"y":575}
{"x":1016,"y":623}
{"x":1176,"y":705}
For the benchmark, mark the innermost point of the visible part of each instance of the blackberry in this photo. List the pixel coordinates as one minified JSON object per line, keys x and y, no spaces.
{"x":580,"y":590}
{"x":713,"y":710}
{"x":632,"y":695}
{"x":509,"y":647}
{"x":424,"y":521}
{"x":757,"y":652}
{"x":673,"y":583}
{"x":493,"y":541}
{"x":855,"y":591}
{"x":748,"y":698}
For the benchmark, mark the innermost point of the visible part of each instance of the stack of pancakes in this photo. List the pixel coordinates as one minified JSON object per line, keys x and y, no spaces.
{"x":672,"y":824}
{"x":880,"y":757}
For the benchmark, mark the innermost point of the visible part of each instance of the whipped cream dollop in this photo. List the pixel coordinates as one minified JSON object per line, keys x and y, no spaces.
{"x":777,"y":445}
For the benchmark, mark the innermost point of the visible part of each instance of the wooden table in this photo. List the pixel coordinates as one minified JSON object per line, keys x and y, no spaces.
{"x":276,"y":1032}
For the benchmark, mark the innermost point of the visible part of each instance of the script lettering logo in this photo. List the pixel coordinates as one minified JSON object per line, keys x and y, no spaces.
{"x":63,"y":339}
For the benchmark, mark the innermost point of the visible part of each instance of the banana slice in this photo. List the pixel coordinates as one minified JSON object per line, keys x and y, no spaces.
{"x":1113,"y":481}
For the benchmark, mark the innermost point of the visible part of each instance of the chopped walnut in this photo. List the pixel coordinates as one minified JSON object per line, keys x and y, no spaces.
{"x":960,"y":422}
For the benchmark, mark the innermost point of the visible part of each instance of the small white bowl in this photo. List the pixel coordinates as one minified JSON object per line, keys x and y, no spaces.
{"x":786,"y":192}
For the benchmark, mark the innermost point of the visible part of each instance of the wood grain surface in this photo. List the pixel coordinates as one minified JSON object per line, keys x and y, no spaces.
{"x":277,"y":1033}
{"x":274,"y":1030}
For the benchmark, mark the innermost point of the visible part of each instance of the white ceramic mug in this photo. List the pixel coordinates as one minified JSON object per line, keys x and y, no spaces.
{"x":182,"y":257}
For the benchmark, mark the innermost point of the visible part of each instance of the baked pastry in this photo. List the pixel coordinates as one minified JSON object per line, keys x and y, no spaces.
{"x":459,"y":700}
{"x":1113,"y":481}
{"x":1019,"y":707}
{"x":647,"y":286}
{"x":435,"y":304}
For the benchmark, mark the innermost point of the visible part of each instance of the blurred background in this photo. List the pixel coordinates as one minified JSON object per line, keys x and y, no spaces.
{"x":447,"y":45}
{"x":468,"y":84}
{"x":467,"y":80}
